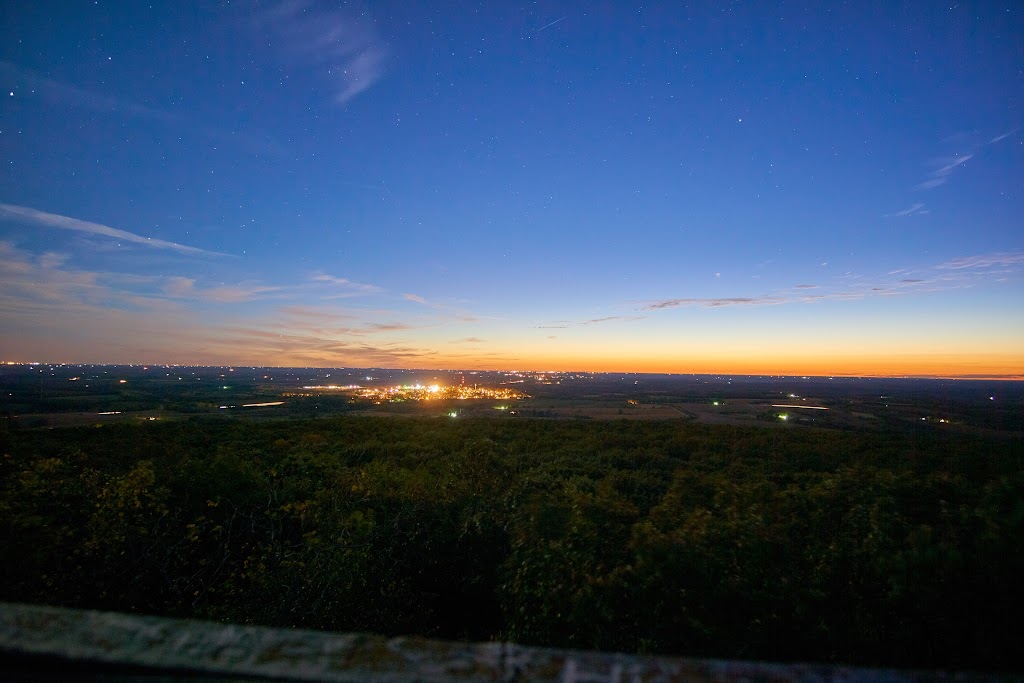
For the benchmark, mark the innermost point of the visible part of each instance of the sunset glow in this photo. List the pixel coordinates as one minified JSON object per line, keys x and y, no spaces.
{"x":635,"y":189}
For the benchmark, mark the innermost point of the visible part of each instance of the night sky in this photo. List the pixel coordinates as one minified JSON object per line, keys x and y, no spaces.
{"x":746,"y":187}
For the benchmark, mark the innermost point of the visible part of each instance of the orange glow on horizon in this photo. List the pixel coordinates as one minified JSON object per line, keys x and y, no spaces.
{"x":1000,"y":368}
{"x":996,"y":367}
{"x":981,"y":366}
{"x":840,"y":363}
{"x":937,"y":356}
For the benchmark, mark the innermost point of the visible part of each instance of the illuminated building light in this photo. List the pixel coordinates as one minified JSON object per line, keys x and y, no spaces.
{"x":783,"y":405}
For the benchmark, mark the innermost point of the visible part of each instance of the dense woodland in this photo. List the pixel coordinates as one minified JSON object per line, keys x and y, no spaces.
{"x":657,"y":537}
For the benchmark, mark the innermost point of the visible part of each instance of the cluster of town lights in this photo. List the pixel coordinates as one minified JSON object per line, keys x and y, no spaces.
{"x":419,"y":392}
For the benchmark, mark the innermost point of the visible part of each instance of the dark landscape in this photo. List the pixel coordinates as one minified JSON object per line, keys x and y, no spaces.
{"x":671,"y":514}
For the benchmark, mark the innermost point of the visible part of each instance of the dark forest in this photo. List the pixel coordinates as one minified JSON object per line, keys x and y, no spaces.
{"x":886,"y":548}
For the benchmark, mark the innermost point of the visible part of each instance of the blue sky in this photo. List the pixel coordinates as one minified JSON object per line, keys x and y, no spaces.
{"x":741,"y":187}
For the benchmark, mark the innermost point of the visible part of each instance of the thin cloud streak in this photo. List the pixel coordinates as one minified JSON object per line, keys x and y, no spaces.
{"x":423,"y":301}
{"x":1012,"y":258}
{"x":953,"y":274}
{"x":345,"y":46}
{"x":611,"y":318}
{"x":720,"y":302}
{"x":945,"y":167}
{"x":307,"y":312}
{"x":184,"y":288}
{"x":354,"y":288}
{"x":916,"y":210}
{"x":941,"y":174}
{"x":1000,"y":138}
{"x":34,"y":216}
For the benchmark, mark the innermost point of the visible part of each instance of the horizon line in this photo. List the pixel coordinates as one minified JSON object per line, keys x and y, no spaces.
{"x":1010,"y":377}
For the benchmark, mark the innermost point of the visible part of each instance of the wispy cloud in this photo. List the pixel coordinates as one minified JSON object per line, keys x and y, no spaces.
{"x":916,"y":210}
{"x":943,"y":168}
{"x":43,"y":285}
{"x":565,"y":324}
{"x":25,"y":214}
{"x":51,"y":308}
{"x":457,"y":312}
{"x":954,"y":274}
{"x":179,"y":287}
{"x":349,"y":288}
{"x":237,"y":293}
{"x":53,"y":311}
{"x":1009,"y":258}
{"x":307,"y":312}
{"x":468,"y":340}
{"x":342,"y":45}
{"x":314,"y":350}
{"x":185,"y":288}
{"x":611,"y":318}
{"x":719,"y":302}
{"x":1000,"y":138}
{"x":390,"y":327}
{"x":415,"y":297}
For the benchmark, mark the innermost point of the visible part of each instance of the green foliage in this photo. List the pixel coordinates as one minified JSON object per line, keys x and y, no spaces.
{"x":640,"y":536}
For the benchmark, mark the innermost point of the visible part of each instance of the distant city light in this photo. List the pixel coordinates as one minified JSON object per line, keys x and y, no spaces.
{"x":418,"y":392}
{"x":784,"y":405}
